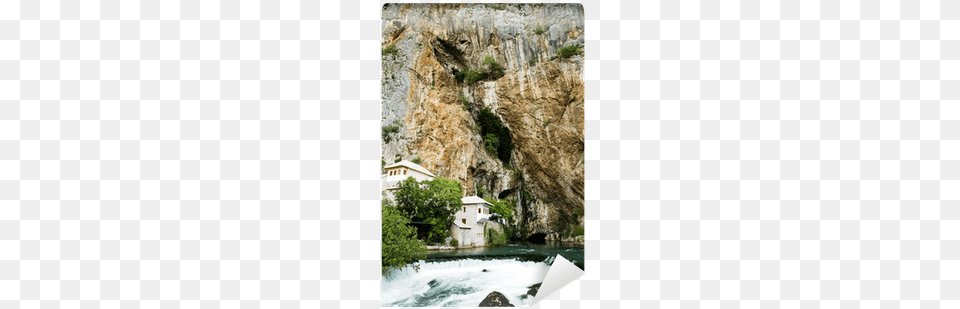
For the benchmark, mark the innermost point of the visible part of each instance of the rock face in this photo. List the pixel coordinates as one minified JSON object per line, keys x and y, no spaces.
{"x":538,"y":99}
{"x":495,"y":299}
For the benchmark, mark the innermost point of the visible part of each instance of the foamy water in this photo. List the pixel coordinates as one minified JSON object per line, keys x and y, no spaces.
{"x":460,"y":283}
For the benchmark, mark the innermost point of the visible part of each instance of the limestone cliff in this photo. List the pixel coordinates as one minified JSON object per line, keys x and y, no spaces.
{"x":539,"y":98}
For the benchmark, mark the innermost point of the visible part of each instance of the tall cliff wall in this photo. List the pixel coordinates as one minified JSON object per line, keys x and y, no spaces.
{"x":539,"y":100}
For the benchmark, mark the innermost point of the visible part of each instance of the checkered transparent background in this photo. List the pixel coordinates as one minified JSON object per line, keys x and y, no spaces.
{"x":223,"y":154}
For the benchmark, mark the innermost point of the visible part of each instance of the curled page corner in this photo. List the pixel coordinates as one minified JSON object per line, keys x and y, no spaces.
{"x":561,"y":273}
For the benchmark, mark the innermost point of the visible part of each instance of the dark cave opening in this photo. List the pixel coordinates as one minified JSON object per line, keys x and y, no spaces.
{"x":538,"y":238}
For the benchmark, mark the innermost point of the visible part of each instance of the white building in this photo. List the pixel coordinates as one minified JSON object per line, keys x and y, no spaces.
{"x":394,"y":173}
{"x":468,"y":228}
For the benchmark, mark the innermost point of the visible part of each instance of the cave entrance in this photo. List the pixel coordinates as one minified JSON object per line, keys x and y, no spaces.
{"x":538,"y":238}
{"x":505,"y":193}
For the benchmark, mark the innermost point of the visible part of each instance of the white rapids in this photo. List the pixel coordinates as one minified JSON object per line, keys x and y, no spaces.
{"x":460,"y":283}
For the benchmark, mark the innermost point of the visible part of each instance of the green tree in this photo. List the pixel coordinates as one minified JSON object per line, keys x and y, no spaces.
{"x":400,"y":244}
{"x":503,"y":207}
{"x":431,"y":201}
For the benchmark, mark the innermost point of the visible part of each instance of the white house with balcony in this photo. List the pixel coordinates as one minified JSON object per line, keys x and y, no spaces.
{"x":468,"y":226}
{"x":394,"y":173}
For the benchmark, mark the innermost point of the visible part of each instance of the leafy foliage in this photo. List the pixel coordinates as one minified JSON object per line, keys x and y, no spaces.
{"x":493,"y":70}
{"x":431,"y":201}
{"x":480,"y":190}
{"x":387,"y":130}
{"x":416,"y":160}
{"x":400,"y":244}
{"x":491,"y":124}
{"x":533,"y":62}
{"x":454,"y":242}
{"x":569,"y":51}
{"x":503,"y":207}
{"x":546,"y":123}
{"x":578,"y":231}
{"x":498,"y":7}
{"x":390,"y":50}
{"x":491,"y":141}
{"x":539,"y":30}
{"x":495,"y":237}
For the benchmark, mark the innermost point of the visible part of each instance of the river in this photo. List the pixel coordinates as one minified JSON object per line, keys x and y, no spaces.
{"x":462,"y":278}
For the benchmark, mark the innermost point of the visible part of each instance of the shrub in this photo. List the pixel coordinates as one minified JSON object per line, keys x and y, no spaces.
{"x":533,"y":62}
{"x":495,"y":237}
{"x":463,"y":99}
{"x":569,"y":51}
{"x":491,"y":142}
{"x":454,"y":242}
{"x":480,"y":190}
{"x":539,"y":30}
{"x":578,"y":231}
{"x":498,"y":7}
{"x":390,"y":50}
{"x":470,"y":75}
{"x":416,"y":160}
{"x":386,"y":131}
{"x":546,"y":123}
{"x":495,"y":69}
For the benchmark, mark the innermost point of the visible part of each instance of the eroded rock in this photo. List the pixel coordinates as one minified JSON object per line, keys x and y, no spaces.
{"x":539,"y":100}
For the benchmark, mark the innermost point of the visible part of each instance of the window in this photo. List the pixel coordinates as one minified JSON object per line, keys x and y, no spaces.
{"x":464,"y":220}
{"x":464,"y":208}
{"x":479,"y":210}
{"x":404,"y":172}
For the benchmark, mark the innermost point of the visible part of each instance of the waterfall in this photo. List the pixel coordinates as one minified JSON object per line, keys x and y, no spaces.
{"x":460,"y":283}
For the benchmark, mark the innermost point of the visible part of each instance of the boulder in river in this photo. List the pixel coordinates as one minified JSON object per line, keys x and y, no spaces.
{"x":533,"y":289}
{"x":495,"y":299}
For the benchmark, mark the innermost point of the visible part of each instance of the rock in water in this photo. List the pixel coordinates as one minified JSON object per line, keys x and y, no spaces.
{"x":533,"y":289}
{"x":495,"y":299}
{"x":433,"y":283}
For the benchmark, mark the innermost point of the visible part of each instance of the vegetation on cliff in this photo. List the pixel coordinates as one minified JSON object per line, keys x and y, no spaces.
{"x":496,"y":136}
